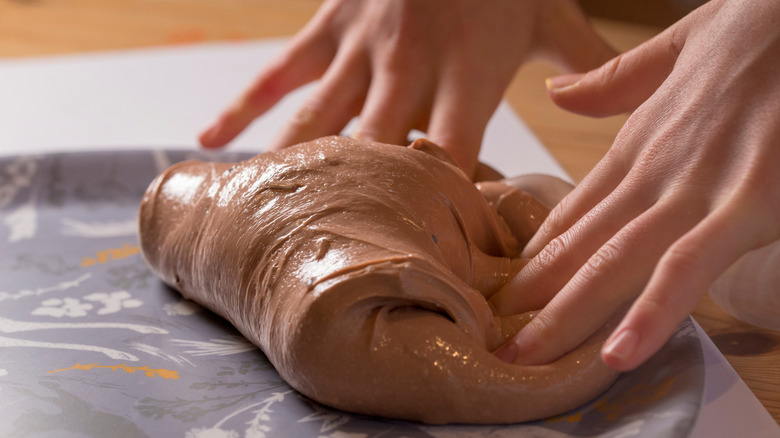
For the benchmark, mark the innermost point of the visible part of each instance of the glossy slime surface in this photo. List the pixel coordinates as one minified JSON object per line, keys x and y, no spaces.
{"x":363,"y":271}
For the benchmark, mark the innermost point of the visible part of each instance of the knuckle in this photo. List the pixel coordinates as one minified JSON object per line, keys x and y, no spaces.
{"x":652,"y":306}
{"x":751,"y":195}
{"x":539,"y":348}
{"x":611,"y":71}
{"x":647,"y":159}
{"x":676,"y":41}
{"x":538,"y":341}
{"x":555,"y":220}
{"x":307,"y":115}
{"x":394,"y":59}
{"x":683,"y":259}
{"x":552,"y":252}
{"x":602,"y":261}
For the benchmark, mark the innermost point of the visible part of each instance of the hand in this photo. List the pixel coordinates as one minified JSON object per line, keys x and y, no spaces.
{"x":440,"y":66}
{"x":690,"y":184}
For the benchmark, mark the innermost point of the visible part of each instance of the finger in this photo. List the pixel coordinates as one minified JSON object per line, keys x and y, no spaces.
{"x":392,"y":109}
{"x":683,"y":276}
{"x":394,"y":103}
{"x":544,"y":275}
{"x":562,"y":256}
{"x":305,"y":60}
{"x":624,"y":82}
{"x":604,"y":178}
{"x":604,"y":286}
{"x":555,"y":265}
{"x":568,"y":41}
{"x":459,"y":116}
{"x":597,"y":185}
{"x":337,"y":99}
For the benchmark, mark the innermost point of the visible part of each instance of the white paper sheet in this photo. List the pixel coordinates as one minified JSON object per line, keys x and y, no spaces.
{"x":163,"y":97}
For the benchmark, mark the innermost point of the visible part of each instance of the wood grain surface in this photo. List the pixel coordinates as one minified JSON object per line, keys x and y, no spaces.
{"x":50,"y":27}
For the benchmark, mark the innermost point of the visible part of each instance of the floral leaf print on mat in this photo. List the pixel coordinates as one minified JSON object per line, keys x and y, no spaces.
{"x":213,"y":395}
{"x":73,"y":227}
{"x":113,"y":302}
{"x":59,"y":307}
{"x":70,"y":415}
{"x":113,"y":354}
{"x":8,"y":325}
{"x":22,"y":222}
{"x":256,"y":428}
{"x":64,"y":285}
{"x":73,"y":307}
{"x":216,"y":347}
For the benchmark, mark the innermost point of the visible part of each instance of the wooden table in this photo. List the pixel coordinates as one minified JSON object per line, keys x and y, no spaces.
{"x":48,"y":27}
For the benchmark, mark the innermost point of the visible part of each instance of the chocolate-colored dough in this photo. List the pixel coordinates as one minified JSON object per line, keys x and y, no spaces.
{"x":363,"y":271}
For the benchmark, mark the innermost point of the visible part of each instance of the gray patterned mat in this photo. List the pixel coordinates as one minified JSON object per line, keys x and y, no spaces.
{"x":92,"y":344}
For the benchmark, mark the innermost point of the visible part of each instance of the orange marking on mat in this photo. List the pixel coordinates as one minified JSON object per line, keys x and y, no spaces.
{"x":149,"y":372}
{"x":109,"y":254}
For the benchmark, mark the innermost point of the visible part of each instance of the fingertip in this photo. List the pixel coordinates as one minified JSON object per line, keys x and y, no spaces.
{"x":309,"y":122}
{"x":557,"y":85}
{"x":507,"y":353}
{"x":581,"y":94}
{"x":302,"y":62}
{"x":364,"y":134}
{"x":622,"y":83}
{"x":458,"y":120}
{"x":644,"y":331}
{"x":286,"y":139}
{"x":519,"y":351}
{"x":527,"y":347}
{"x":619,"y":351}
{"x":209,"y":137}
{"x":463,"y":149}
{"x":530,"y":289}
{"x":227,"y":126}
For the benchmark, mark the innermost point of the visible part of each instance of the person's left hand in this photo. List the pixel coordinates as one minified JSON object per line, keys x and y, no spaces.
{"x":439,"y":66}
{"x":691,"y":183}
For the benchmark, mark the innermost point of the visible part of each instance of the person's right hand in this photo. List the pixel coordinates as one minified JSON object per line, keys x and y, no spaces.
{"x":440,"y":66}
{"x":689,"y":186}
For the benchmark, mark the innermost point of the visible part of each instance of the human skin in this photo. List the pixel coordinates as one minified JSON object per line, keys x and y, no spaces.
{"x":440,"y":66}
{"x":689,"y":186}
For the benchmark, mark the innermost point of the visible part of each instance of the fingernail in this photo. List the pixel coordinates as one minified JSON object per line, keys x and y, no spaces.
{"x":558,"y":84}
{"x":623,"y":345}
{"x":507,"y":353}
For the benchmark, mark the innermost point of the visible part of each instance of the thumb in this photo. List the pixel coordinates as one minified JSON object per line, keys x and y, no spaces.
{"x":622,"y":83}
